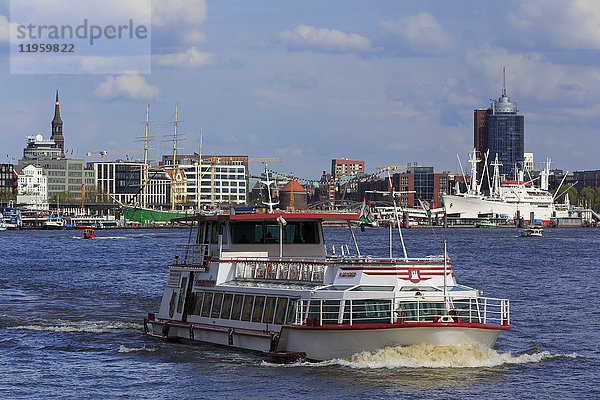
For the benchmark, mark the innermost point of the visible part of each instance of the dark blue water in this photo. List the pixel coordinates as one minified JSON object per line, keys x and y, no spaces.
{"x":71,"y":312}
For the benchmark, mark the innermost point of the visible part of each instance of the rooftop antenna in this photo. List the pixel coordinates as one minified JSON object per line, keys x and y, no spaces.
{"x":503,"y":81}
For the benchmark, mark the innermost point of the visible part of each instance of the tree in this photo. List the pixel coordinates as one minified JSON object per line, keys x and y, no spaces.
{"x":586,"y":197}
{"x":62,"y":196}
{"x":572,"y":192}
{"x":7,"y":194}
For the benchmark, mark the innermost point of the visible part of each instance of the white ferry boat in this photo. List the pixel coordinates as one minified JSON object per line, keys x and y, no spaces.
{"x":507,"y":198}
{"x":267,"y":282}
{"x":54,"y":223}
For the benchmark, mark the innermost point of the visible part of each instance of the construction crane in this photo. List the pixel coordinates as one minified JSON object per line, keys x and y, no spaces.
{"x":264,"y":160}
{"x":103,"y":153}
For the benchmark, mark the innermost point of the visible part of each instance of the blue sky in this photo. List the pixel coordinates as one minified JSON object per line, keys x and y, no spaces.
{"x":387,"y":82}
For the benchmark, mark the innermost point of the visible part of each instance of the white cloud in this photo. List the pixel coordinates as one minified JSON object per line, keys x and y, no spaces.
{"x":192,"y":58}
{"x":308,"y":37}
{"x":194,"y":36}
{"x":128,"y":86}
{"x":571,"y":24}
{"x":171,"y":12}
{"x":421,"y":33}
{"x":532,"y":75}
{"x":5,"y":28}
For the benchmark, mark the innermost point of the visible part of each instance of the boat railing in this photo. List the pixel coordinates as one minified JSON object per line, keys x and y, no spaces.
{"x":479,"y":310}
{"x":281,"y":269}
{"x":191,"y":255}
{"x":341,"y":259}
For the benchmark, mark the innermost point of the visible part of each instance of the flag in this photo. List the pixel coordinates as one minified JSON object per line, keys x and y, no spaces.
{"x":366,"y":216}
{"x":425,"y":206}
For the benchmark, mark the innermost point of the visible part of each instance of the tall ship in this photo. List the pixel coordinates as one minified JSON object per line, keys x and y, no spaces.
{"x":507,"y":199}
{"x":268,"y":282}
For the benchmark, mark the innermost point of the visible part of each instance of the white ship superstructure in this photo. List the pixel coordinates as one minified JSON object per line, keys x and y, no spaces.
{"x":508,"y":199}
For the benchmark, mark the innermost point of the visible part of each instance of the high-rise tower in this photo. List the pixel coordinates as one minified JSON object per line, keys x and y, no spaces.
{"x":57,"y":124}
{"x":500,"y":130}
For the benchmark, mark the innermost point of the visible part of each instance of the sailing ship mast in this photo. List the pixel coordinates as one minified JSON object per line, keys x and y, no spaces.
{"x":146,"y":139}
{"x":174,"y":137}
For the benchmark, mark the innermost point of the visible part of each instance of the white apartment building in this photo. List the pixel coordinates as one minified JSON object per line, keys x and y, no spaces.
{"x":33,"y":186}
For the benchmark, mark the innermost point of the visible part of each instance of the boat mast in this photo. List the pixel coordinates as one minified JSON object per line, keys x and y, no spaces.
{"x":396,"y":214}
{"x":268,"y":182}
{"x":175,"y":136}
{"x":198,"y":172}
{"x":145,"y":139}
{"x":473,"y":160}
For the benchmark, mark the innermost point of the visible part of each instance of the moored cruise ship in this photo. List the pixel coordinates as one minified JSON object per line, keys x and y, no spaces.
{"x":268,"y":282}
{"x":508,"y":199}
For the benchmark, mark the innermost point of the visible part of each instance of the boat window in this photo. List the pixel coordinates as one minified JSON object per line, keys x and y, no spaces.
{"x":247,"y":308}
{"x":302,"y":232}
{"x":269,"y":310}
{"x":338,"y":287}
{"x":216,"y":307}
{"x":272,"y":233}
{"x":214,"y":232}
{"x":237,"y":307}
{"x":259,"y":303}
{"x":368,"y":311}
{"x":329,"y":313}
{"x":364,"y":288}
{"x":198,"y":304}
{"x":281,"y":307}
{"x":207,"y":303}
{"x":223,"y":232}
{"x":246,"y":232}
{"x":467,"y":310}
{"x":291,"y":315}
{"x":418,"y":289}
{"x":421,"y":311}
{"x":227,"y":300}
{"x":182,"y":294}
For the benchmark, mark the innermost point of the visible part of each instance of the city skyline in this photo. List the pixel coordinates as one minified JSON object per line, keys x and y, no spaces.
{"x":309,"y":83}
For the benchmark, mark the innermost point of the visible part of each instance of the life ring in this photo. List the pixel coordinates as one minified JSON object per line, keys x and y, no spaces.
{"x":192,"y":332}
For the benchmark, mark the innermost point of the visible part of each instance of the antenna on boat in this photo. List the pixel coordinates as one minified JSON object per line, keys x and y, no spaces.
{"x":395,"y":213}
{"x":268,"y":182}
{"x":446,"y":305}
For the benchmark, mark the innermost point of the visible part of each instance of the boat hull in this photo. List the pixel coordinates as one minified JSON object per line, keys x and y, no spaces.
{"x":324,"y":344}
{"x":475,"y":206}
{"x":329,"y":342}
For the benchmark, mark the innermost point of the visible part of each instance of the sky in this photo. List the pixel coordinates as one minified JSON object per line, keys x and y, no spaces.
{"x":388,"y":82}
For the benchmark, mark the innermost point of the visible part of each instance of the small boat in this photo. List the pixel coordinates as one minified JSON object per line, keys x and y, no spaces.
{"x":54,"y":223}
{"x":532,"y":231}
{"x":487,"y":223}
{"x":268,"y":282}
{"x":88,"y":234}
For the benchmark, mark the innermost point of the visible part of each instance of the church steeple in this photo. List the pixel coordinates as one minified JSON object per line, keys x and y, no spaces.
{"x":57,"y":123}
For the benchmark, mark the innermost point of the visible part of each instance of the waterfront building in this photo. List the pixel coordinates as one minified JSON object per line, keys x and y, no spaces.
{"x":500,"y":129}
{"x":32,"y":187}
{"x":8,"y":182}
{"x":528,"y":162}
{"x":37,"y":148}
{"x":293,"y":196}
{"x":220,"y":179}
{"x":344,"y":167}
{"x":419,"y":182}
